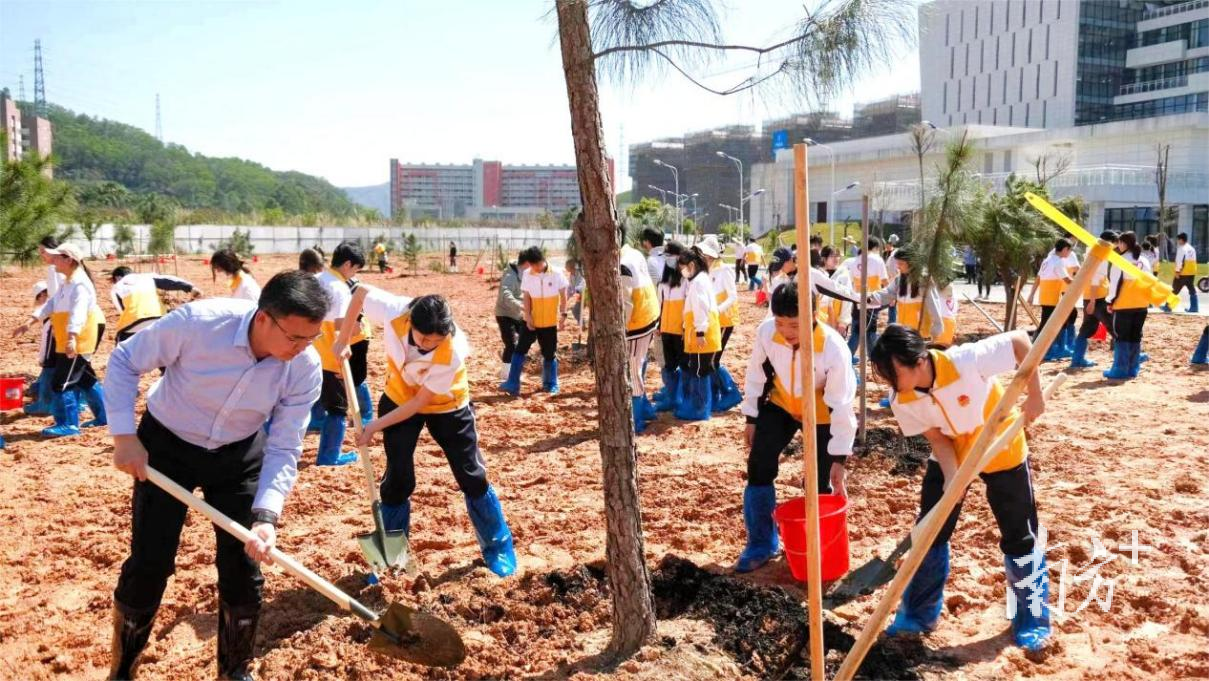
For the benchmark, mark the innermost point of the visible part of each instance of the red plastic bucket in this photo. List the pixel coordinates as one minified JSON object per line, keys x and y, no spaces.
{"x":12,"y":393}
{"x":1101,"y":333}
{"x":833,"y":535}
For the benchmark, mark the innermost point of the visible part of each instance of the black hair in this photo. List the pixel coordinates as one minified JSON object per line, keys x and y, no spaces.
{"x":531,"y":255}
{"x":874,"y":243}
{"x":828,"y":251}
{"x":309,"y":260}
{"x":671,"y":275}
{"x":49,"y":241}
{"x":572,"y":261}
{"x":293,"y":293}
{"x":693,"y":257}
{"x":897,"y":342}
{"x":815,"y":239}
{"x":1061,"y":244}
{"x":775,"y":266}
{"x":1182,"y":236}
{"x":784,"y":301}
{"x":227,"y":261}
{"x":118,"y":272}
{"x":346,"y":252}
{"x":432,"y":314}
{"x":652,"y":236}
{"x":1131,"y":243}
{"x":816,"y":259}
{"x":1110,"y":235}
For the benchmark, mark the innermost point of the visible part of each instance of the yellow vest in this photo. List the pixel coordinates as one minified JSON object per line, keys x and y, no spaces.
{"x":400,"y":391}
{"x":646,"y":307}
{"x":786,"y":397}
{"x":140,"y":301}
{"x":712,"y":342}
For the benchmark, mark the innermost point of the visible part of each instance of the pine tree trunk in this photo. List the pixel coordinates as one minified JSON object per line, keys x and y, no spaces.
{"x":597,"y":232}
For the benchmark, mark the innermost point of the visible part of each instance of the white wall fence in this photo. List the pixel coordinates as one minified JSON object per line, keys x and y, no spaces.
{"x":204,"y":239}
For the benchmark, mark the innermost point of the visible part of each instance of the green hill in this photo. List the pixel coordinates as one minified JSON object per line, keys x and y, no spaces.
{"x":92,"y":151}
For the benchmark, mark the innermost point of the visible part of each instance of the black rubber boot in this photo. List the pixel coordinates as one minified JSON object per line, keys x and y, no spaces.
{"x":131,"y":629}
{"x":236,"y":640}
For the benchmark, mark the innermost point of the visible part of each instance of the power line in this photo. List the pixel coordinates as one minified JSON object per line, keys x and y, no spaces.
{"x":39,"y":80}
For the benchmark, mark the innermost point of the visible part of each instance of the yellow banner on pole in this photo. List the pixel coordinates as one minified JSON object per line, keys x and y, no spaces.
{"x":1157,"y":291}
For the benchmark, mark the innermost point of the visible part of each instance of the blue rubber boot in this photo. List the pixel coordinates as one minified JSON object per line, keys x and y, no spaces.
{"x":666,"y":400}
{"x":512,"y":385}
{"x":397,"y":517}
{"x":892,"y":315}
{"x":759,"y":501}
{"x":1055,"y":351}
{"x":366,"y":402}
{"x":66,"y":410}
{"x":697,"y":398}
{"x":1142,"y":356}
{"x":331,"y":439}
{"x":1068,"y":341}
{"x":1201,"y":354}
{"x":1,"y":442}
{"x":727,"y":394}
{"x":1166,"y":308}
{"x":318,"y":416}
{"x":922,"y":601}
{"x":1136,"y":357}
{"x":1120,"y":361}
{"x":1078,"y":359}
{"x":95,"y":398}
{"x":1030,"y":587}
{"x":495,"y":539}
{"x":648,"y":409}
{"x":640,"y":417}
{"x":1194,"y":305}
{"x":550,"y":376}
{"x":43,"y":394}
{"x":884,"y":403}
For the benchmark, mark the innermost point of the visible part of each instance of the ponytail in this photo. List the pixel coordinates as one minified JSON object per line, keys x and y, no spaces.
{"x":227,"y":261}
{"x":1131,"y":243}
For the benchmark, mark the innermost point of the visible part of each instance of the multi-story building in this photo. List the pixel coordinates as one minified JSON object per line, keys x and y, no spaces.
{"x":482,"y":190}
{"x":707,"y":180}
{"x":24,"y":132}
{"x":1061,"y":63}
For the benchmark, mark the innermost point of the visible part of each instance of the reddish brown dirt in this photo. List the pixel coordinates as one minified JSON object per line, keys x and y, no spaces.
{"x":1107,"y":459}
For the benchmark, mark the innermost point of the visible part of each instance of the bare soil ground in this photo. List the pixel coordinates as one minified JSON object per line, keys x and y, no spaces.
{"x":1108,"y":459}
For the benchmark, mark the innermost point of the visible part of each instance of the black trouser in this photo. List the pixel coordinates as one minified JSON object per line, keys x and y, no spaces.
{"x":547,"y":340}
{"x":381,"y":265}
{"x":727,"y":331}
{"x":510,"y":330}
{"x":1010,"y":496}
{"x":72,"y":372}
{"x":228,"y":477}
{"x":332,"y":394}
{"x":699,"y":364}
{"x":454,"y":432}
{"x":752,"y":271}
{"x":740,"y":270}
{"x":1127,"y":324}
{"x":673,"y":349}
{"x":1092,"y":321}
{"x":971,"y":273}
{"x":775,"y":428}
{"x":985,"y":280}
{"x":1184,"y":281}
{"x":1048,"y":310}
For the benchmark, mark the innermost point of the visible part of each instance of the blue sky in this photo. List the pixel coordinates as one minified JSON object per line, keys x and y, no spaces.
{"x":338,"y":88}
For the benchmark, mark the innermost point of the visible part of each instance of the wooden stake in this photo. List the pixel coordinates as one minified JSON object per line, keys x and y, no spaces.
{"x":978,"y":307}
{"x":864,"y":328}
{"x":971,"y":465}
{"x":810,"y":485}
{"x":1020,"y":302}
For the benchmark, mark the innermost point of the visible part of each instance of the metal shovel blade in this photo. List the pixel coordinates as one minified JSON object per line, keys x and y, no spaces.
{"x":868,"y":577}
{"x":386,"y":550}
{"x":417,"y":637}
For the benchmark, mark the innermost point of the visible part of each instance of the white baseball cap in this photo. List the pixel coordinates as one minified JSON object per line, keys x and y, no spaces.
{"x":709,"y":246}
{"x":39,"y":288}
{"x":70,"y":250}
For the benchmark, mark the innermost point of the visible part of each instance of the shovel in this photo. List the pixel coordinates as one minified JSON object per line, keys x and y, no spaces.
{"x":382,"y":549}
{"x":400,"y":632}
{"x":878,"y":572}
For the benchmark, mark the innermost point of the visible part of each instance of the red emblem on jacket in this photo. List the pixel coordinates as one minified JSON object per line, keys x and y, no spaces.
{"x":963,"y":400}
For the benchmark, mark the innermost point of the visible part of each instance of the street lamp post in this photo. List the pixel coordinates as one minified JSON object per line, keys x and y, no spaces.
{"x":676,"y":188}
{"x":831,"y":206}
{"x":749,"y":197}
{"x":853,"y":185}
{"x":723,"y":154}
{"x":730,"y":215}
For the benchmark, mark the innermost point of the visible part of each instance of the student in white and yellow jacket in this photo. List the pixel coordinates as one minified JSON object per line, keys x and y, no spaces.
{"x":702,"y":339}
{"x":917,"y":309}
{"x":671,"y":289}
{"x":1185,"y":273}
{"x":77,"y":324}
{"x":1055,"y":275}
{"x":427,"y":387}
{"x":772,"y":404}
{"x":347,"y":259}
{"x":239,"y":278}
{"x":1128,"y":304}
{"x":135,"y":295}
{"x":946,"y":396}
{"x":641,"y":309}
{"x":1095,"y":309}
{"x":544,"y":295}
{"x":725,"y":391}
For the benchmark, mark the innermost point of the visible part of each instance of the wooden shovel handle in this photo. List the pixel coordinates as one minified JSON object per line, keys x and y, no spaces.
{"x":354,"y":414}
{"x":245,"y":535}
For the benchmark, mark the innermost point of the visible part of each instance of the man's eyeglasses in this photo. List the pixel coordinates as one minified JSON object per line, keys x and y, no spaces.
{"x":297,"y":340}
